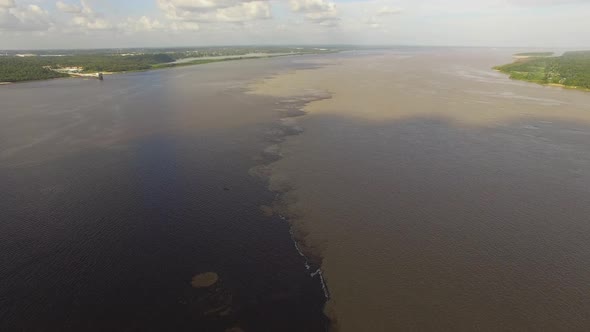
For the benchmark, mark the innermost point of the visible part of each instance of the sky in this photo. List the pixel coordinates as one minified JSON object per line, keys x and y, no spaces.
{"x":42,"y":24}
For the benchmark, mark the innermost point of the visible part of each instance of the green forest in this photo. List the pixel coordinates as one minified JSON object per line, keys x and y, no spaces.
{"x":572,"y":69}
{"x":23,"y":69}
{"x":17,"y":69}
{"x":14,"y":68}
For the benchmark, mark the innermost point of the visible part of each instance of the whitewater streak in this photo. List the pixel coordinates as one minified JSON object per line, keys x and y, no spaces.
{"x":318,"y":272}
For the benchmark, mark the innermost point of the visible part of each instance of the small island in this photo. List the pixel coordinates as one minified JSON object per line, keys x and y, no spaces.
{"x":570,"y":70}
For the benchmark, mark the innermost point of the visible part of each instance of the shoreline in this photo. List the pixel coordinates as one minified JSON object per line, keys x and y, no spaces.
{"x":563,"y":86}
{"x":168,"y":65}
{"x":156,"y":67}
{"x":555,"y":85}
{"x":544,"y":68}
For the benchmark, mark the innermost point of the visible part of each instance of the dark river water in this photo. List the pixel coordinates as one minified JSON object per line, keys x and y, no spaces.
{"x":116,"y":193}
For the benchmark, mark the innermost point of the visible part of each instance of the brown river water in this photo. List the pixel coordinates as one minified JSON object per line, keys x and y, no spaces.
{"x":438,"y":194}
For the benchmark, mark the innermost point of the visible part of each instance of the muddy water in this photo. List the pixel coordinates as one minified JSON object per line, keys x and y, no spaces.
{"x":437,"y":194}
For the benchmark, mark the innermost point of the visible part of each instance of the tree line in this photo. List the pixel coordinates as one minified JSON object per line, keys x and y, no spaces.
{"x":17,"y":69}
{"x":571,"y":69}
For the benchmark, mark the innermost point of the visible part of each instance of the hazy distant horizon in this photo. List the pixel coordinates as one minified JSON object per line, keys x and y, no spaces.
{"x":84,"y":24}
{"x":360,"y":46}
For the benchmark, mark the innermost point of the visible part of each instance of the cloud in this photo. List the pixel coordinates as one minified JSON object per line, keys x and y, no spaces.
{"x":377,"y":15}
{"x":84,"y":16}
{"x":322,"y":12}
{"x":466,"y":6}
{"x":142,"y":24}
{"x":44,"y":23}
{"x":5,"y":4}
{"x":68,"y":8}
{"x":312,"y":6}
{"x":23,"y":18}
{"x":210,"y":11}
{"x":540,"y":3}
{"x":386,"y":11}
{"x":184,"y":26}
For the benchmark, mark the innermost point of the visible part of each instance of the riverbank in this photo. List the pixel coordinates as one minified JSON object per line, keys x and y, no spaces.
{"x":87,"y":75}
{"x":572,"y":87}
{"x":197,"y":61}
{"x":570,"y":70}
{"x":555,"y":85}
{"x":35,"y":68}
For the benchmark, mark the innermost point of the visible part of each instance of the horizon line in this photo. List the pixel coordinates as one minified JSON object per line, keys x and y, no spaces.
{"x":289,"y":45}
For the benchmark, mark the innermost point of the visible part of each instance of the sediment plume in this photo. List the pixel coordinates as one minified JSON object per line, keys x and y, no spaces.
{"x":418,"y":183}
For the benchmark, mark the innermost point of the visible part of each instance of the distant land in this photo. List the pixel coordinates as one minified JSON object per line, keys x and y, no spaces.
{"x":534,"y":54}
{"x":20,"y":66}
{"x":571,"y":70}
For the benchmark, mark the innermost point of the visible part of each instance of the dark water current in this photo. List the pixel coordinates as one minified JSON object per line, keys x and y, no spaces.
{"x":116,"y":193}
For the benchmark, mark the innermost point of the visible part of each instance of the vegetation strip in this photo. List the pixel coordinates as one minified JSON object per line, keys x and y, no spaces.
{"x":17,"y":67}
{"x":571,"y":70}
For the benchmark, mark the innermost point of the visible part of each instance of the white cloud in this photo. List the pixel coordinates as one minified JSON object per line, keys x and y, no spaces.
{"x":23,"y":18}
{"x":184,"y":26}
{"x":312,"y":6}
{"x":322,"y":12}
{"x":5,"y":4}
{"x":68,"y":8}
{"x":141,"y":24}
{"x":91,"y":23}
{"x":84,"y":16}
{"x":387,"y":10}
{"x":467,"y":6}
{"x":377,"y":15}
{"x":454,"y":22}
{"x":209,"y":11}
{"x":540,"y":3}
